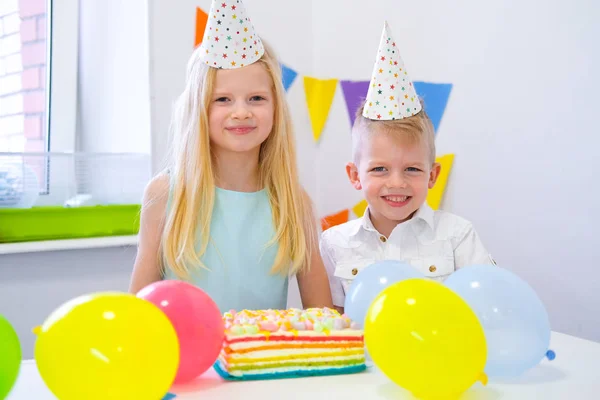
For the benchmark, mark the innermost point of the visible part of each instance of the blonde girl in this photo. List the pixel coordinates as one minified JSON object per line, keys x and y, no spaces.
{"x":229,"y":215}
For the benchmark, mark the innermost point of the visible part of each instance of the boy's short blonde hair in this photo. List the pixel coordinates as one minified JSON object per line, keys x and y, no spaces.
{"x":407,"y":131}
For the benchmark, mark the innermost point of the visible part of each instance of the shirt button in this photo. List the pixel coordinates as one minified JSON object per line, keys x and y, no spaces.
{"x":432,"y":268}
{"x":354,"y":271}
{"x":383,"y":238}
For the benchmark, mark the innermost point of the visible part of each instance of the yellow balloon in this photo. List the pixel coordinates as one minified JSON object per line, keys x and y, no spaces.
{"x":426,"y":339}
{"x":107,"y":346}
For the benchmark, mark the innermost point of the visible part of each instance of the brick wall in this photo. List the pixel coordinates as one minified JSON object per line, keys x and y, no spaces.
{"x":23,"y":75}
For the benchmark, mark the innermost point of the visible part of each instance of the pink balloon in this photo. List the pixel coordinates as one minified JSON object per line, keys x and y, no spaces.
{"x":197,"y":321}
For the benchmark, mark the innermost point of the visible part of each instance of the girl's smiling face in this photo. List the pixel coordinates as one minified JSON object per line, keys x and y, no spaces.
{"x":242,"y":109}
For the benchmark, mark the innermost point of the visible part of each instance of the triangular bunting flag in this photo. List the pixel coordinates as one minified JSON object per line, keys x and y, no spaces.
{"x":334,"y":219}
{"x":360,"y":208}
{"x":435,"y":96}
{"x":288,"y":76}
{"x":319,"y":96}
{"x":201,"y":20}
{"x":435,"y":195}
{"x":354,"y":93}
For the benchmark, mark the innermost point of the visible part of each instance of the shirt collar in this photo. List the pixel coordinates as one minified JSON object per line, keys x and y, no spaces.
{"x":424,"y":213}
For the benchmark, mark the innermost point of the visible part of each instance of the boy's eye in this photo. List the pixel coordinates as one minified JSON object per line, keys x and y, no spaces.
{"x":413,"y":169}
{"x":378,"y":169}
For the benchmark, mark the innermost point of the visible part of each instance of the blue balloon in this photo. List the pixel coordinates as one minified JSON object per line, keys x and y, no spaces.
{"x":514,"y":319}
{"x":370,"y":282}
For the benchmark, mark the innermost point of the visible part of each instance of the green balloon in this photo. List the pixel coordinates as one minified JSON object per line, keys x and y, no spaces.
{"x":10,"y":357}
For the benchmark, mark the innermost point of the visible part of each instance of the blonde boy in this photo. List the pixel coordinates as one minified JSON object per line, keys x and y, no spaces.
{"x":394,"y":166}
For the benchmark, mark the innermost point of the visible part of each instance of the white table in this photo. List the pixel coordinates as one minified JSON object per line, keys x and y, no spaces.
{"x":574,"y":374}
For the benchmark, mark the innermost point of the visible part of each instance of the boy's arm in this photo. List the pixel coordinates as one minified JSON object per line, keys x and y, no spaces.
{"x":337,"y":290}
{"x":470,"y":250}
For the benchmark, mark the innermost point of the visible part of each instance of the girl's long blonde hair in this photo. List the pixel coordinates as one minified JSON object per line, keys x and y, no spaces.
{"x":193,"y":178}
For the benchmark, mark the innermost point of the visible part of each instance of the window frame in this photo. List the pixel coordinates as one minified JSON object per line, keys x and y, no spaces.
{"x":62,"y":75}
{"x":62,"y":58}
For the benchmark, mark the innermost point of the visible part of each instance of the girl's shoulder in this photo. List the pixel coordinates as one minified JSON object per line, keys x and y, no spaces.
{"x":158,"y":186}
{"x":156,"y":195}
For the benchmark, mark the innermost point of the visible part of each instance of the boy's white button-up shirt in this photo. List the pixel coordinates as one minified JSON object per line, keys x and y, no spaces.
{"x":435,"y":242}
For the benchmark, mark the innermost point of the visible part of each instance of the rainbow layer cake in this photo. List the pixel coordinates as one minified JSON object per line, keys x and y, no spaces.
{"x":271,"y":344}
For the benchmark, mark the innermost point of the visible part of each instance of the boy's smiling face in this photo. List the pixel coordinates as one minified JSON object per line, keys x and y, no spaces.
{"x":394,"y":176}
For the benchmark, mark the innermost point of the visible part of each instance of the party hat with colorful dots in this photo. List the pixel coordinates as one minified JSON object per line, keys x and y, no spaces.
{"x":391,"y":93}
{"x":230,"y":40}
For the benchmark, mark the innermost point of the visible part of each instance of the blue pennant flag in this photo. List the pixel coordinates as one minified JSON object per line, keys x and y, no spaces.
{"x":288,"y":76}
{"x":435,"y":96}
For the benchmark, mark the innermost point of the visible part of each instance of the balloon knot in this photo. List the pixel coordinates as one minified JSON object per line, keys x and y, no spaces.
{"x":37,"y":330}
{"x":483,"y":379}
{"x":551,"y":355}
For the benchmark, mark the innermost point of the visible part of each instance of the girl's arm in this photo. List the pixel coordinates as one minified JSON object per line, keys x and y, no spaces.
{"x":335,"y":284}
{"x":314,"y":283}
{"x":146,"y":269}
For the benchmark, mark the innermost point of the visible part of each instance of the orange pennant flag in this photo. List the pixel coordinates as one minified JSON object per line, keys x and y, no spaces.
{"x":201,"y":20}
{"x":334,"y":219}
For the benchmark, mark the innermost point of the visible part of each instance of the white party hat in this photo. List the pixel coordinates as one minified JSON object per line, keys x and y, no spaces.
{"x":391,"y":92}
{"x":230,"y":40}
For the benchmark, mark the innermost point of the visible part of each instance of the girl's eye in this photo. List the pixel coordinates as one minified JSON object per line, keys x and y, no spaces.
{"x":222,"y":99}
{"x":257,"y":98}
{"x":378,"y":169}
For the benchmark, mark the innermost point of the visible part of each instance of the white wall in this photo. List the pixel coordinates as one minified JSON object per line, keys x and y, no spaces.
{"x":113,"y":87}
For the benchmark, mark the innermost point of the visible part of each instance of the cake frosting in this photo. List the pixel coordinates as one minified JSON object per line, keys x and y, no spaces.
{"x":264,"y":344}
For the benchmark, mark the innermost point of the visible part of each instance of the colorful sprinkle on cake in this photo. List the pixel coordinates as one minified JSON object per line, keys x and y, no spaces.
{"x":271,"y":344}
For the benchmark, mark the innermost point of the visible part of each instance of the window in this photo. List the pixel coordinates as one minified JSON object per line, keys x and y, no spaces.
{"x":85,"y":139}
{"x":23,"y":75}
{"x":38,"y":88}
{"x":38,"y":75}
